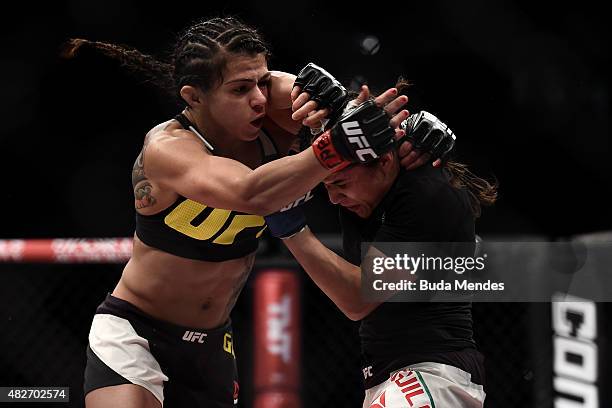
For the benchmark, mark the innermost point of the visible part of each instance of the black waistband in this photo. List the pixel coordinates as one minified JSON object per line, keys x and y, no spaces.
{"x":124,"y":309}
{"x":469,"y":360}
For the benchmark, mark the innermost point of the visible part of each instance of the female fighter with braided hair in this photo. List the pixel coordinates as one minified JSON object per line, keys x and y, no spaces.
{"x":201,"y":183}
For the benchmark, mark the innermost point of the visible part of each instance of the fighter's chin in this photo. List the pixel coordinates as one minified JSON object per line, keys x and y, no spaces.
{"x":360,"y":210}
{"x":250,"y":133}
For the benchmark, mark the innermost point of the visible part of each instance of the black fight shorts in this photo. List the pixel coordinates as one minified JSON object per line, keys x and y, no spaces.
{"x":180,"y":366}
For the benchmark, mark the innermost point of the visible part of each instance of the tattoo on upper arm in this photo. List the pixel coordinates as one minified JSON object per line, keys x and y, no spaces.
{"x":138,"y":170}
{"x":142,"y":195}
{"x":142,"y":186}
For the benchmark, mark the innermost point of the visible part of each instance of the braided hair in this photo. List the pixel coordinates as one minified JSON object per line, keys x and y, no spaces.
{"x":198,"y":59}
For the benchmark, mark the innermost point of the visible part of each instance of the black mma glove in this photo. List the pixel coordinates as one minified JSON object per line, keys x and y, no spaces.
{"x":360,"y":136}
{"x":324,"y":89}
{"x":428,"y":134}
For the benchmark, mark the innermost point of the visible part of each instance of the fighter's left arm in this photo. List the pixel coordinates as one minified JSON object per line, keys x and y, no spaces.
{"x":315,"y":95}
{"x":278,"y":106}
{"x":338,"y":279}
{"x":318,"y":90}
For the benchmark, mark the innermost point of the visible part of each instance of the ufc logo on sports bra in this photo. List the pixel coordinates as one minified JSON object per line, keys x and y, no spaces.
{"x":352,"y":129}
{"x":214,"y":225}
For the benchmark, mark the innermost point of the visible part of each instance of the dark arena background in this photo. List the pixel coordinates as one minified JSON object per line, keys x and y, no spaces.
{"x":524,"y":85}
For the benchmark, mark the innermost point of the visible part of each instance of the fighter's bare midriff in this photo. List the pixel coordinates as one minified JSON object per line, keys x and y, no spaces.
{"x":186,"y":292}
{"x":182,"y":291}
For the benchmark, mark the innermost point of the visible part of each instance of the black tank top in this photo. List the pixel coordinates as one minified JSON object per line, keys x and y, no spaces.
{"x":421,"y":206}
{"x":196,"y":231}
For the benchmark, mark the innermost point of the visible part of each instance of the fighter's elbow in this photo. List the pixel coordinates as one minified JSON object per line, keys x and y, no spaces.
{"x":356,"y":312}
{"x":353,"y":316}
{"x":252,"y":201}
{"x":259,"y":205}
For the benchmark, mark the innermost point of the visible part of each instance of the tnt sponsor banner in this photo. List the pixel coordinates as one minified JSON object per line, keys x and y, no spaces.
{"x":277,"y":339}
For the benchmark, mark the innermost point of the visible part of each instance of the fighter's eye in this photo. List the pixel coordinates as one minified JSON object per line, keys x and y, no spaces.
{"x":241,"y":89}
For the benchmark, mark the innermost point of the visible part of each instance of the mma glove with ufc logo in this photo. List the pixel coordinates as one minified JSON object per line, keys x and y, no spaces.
{"x":360,"y":136}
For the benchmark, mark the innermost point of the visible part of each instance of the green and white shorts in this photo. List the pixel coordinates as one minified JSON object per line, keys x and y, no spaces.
{"x":426,"y":385}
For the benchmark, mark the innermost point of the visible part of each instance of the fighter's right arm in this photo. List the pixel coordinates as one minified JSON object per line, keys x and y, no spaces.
{"x":181,"y":164}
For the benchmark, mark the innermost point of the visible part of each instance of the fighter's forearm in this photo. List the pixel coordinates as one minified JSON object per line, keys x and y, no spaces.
{"x":278,"y":107}
{"x":337,"y":278}
{"x":281,"y":84}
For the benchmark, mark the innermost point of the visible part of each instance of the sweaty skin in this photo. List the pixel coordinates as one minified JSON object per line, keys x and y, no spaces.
{"x":175,"y":162}
{"x":191,"y":292}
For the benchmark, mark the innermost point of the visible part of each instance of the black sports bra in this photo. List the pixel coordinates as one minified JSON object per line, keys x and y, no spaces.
{"x":196,"y":231}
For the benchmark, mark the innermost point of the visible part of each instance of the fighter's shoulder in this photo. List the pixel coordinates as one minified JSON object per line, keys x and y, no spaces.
{"x":171,"y":134}
{"x":429,"y":192}
{"x":423,"y":179}
{"x":419,"y":190}
{"x":172,"y":146}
